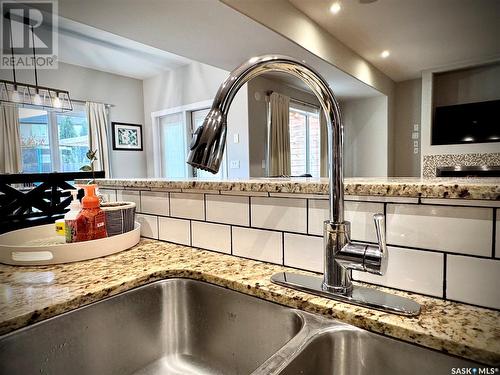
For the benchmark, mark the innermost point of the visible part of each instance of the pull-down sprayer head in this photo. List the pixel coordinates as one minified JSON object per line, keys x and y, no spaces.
{"x":207,"y":145}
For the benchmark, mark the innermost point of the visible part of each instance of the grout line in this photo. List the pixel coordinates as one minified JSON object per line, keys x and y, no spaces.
{"x":494,"y":231}
{"x":250,"y":211}
{"x":169,"y":205}
{"x":283,"y":248}
{"x":445,"y":275}
{"x":231,"y":238}
{"x":190,"y":233}
{"x":307,"y":215}
{"x":205,"y":206}
{"x":157,"y":228}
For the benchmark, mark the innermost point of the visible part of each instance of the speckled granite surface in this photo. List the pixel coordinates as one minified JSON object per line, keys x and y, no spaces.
{"x":31,"y":294}
{"x":463,"y":188}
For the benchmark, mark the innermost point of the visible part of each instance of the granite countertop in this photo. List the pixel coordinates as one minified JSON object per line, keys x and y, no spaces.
{"x":31,"y":294}
{"x":463,"y":188}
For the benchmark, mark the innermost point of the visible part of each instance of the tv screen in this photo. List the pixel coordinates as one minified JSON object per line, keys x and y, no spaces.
{"x":466,"y":123}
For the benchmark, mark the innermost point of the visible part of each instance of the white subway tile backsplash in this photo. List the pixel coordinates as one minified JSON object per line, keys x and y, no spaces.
{"x":229,"y":209}
{"x":279,"y":214}
{"x":130,"y":196}
{"x":210,"y":236}
{"x":257,"y":244}
{"x":466,"y":230}
{"x":359,"y":214}
{"x":413,"y":270}
{"x":304,"y":252}
{"x":154,"y":202}
{"x":149,"y":225}
{"x":174,"y":230}
{"x":459,"y":228}
{"x":473,"y":280}
{"x":187,"y":205}
{"x":109,"y":194}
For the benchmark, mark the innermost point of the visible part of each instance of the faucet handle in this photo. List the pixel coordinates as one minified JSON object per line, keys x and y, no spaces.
{"x":377,"y":257}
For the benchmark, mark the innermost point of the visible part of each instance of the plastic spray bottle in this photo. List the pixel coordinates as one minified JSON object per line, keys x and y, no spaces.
{"x":91,"y":221}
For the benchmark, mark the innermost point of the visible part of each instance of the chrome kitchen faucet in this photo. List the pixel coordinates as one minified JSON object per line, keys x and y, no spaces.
{"x":341,"y":255}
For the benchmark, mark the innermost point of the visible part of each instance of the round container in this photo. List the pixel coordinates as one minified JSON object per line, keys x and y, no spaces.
{"x":120,"y":217}
{"x":40,"y":245}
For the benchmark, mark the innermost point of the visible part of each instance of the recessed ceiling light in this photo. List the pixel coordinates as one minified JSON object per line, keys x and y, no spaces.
{"x":385,"y":54}
{"x":335,"y":7}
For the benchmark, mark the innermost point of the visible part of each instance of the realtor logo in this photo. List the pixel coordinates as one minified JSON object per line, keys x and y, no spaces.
{"x":25,"y":25}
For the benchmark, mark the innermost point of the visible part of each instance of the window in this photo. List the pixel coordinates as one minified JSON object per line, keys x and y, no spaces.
{"x":304,"y":140}
{"x":53,"y":141}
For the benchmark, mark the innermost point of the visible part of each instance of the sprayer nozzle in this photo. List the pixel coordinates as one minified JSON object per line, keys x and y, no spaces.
{"x":207,"y":145}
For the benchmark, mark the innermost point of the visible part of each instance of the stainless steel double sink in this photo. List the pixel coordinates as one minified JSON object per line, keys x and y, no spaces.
{"x":182,"y":326}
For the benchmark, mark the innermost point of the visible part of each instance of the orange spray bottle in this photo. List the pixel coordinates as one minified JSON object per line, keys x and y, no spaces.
{"x":91,"y":221}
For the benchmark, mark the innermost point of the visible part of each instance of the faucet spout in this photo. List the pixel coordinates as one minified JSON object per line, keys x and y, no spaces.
{"x":209,"y":139}
{"x":341,"y":255}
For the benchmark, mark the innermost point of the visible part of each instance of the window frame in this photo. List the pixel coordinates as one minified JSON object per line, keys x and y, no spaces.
{"x":55,"y":156}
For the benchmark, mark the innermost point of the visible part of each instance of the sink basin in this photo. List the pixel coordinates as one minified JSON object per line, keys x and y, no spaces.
{"x":349,"y":350}
{"x":175,"y":326}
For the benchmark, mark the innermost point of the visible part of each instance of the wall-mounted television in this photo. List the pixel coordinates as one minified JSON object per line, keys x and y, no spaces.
{"x":466,"y":123}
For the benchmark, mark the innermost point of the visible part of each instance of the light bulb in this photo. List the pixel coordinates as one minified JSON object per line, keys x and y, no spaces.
{"x":37,"y":99}
{"x":335,"y":7}
{"x":56,"y":102}
{"x":385,"y":54}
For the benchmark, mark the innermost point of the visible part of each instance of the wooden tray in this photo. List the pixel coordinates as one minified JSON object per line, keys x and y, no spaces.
{"x":40,"y":245}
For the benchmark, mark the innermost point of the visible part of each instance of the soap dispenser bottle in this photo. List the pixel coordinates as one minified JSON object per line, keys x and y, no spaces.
{"x":91,"y":221}
{"x":70,"y":226}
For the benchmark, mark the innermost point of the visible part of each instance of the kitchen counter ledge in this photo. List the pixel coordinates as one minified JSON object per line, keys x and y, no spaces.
{"x":32,"y":294}
{"x":453,"y":188}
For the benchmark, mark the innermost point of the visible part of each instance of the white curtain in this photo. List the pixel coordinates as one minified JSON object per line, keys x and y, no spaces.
{"x":323,"y":148}
{"x":10,"y":140}
{"x":279,"y":150}
{"x":98,"y":123}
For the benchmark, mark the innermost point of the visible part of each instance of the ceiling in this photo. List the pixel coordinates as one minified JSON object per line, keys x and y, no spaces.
{"x":97,"y":49}
{"x":210,"y":32}
{"x":420,"y":34}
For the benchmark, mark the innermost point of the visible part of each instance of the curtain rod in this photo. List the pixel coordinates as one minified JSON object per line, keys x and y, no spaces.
{"x":268,"y":93}
{"x":85,"y":101}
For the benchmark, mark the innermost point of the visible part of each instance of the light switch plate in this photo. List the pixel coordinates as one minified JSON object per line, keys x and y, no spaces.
{"x":415,"y":144}
{"x":414,"y":135}
{"x":235,"y":164}
{"x":415,"y":127}
{"x":415,"y":150}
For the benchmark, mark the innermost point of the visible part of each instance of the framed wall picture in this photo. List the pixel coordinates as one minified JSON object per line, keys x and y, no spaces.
{"x":127,"y":136}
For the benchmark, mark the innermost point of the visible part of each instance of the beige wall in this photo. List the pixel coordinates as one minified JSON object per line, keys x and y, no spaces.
{"x":366,"y":137}
{"x":197,"y":82}
{"x":407,"y":112}
{"x":94,"y":85}
{"x":467,"y":85}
